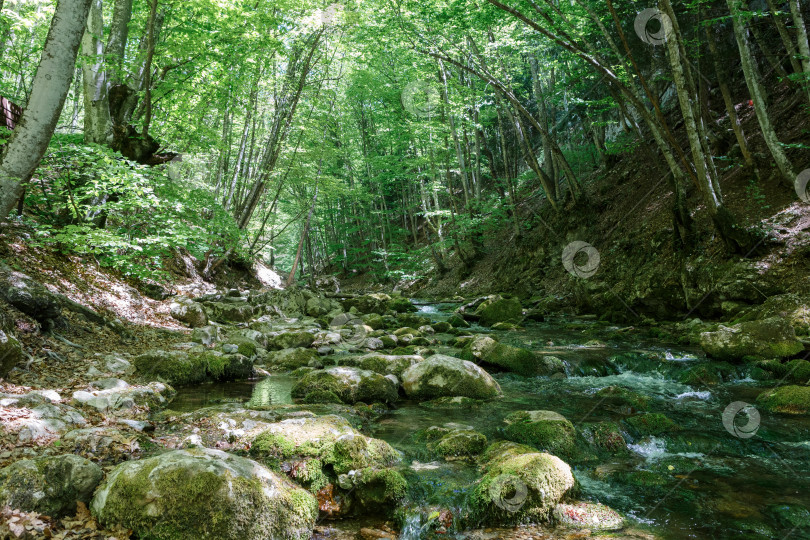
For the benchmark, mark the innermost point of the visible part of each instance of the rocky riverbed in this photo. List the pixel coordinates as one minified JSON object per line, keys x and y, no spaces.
{"x":290,"y":414}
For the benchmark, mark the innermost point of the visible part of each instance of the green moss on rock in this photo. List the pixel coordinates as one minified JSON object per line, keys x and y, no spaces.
{"x":786,"y":400}
{"x":193,"y":494}
{"x":544,"y":430}
{"x":651,"y":424}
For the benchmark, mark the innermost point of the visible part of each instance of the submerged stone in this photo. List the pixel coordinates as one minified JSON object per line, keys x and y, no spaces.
{"x":586,"y":515}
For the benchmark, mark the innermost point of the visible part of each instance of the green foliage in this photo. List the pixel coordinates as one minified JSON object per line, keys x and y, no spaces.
{"x":88,"y":200}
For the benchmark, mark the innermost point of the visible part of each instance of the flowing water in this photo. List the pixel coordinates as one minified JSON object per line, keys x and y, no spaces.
{"x":700,"y":481}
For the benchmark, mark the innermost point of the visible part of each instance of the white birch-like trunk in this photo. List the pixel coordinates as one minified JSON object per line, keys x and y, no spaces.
{"x":802,"y":41}
{"x":50,"y":88}
{"x":97,"y":122}
{"x":758,"y":96}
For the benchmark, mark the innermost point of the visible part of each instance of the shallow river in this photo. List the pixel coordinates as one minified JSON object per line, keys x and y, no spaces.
{"x":700,"y":481}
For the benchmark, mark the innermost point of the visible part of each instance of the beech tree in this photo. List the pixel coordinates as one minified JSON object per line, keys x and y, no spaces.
{"x":50,"y":87}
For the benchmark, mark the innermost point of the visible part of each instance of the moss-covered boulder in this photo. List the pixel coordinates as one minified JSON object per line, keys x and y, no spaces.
{"x":651,"y":424}
{"x":186,"y":310}
{"x":622,"y":398}
{"x":369,"y":303}
{"x":349,"y":384}
{"x":486,"y":350}
{"x":11,"y":353}
{"x":329,"y":438}
{"x":606,"y":437}
{"x":203,"y":493}
{"x":244,"y":345}
{"x":769,"y":338}
{"x":441,"y":375}
{"x":289,"y":359}
{"x":453,"y":441}
{"x":545,"y":430}
{"x":586,"y":515}
{"x":291,"y":339}
{"x":793,"y":307}
{"x":497,"y":309}
{"x":786,"y":400}
{"x":230,"y":312}
{"x":401,"y":305}
{"x":49,"y":485}
{"x":458,"y":321}
{"x":519,"y":485}
{"x":179,"y":368}
{"x":388,"y":364}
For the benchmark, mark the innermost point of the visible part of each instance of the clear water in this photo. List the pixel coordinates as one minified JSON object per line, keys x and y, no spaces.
{"x":709,"y":483}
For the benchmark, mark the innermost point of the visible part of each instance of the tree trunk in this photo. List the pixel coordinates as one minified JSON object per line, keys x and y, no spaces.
{"x":150,"y":53}
{"x":50,"y":88}
{"x":803,"y":43}
{"x":97,"y":122}
{"x":758,"y":95}
{"x":291,"y":277}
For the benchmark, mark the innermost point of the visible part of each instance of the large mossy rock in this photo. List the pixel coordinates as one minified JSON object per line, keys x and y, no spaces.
{"x":49,"y":485}
{"x":769,"y":338}
{"x":179,"y":368}
{"x":388,"y":364}
{"x":440,"y":375}
{"x":230,"y":312}
{"x":486,"y":350}
{"x":786,"y":400}
{"x":545,"y":430}
{"x":291,"y":339}
{"x":327,"y":452}
{"x":369,"y":303}
{"x":11,"y":353}
{"x":497,"y":309}
{"x":291,"y":359}
{"x":519,"y":485}
{"x":330,"y":438}
{"x":792,"y":307}
{"x":188,"y":311}
{"x":204,"y":494}
{"x":402,"y":305}
{"x":349,"y":384}
{"x":453,"y":441}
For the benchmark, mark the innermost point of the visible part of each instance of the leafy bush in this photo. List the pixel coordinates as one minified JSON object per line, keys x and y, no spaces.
{"x":89,"y":200}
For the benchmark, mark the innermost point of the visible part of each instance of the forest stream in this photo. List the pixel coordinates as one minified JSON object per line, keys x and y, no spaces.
{"x":692,"y":479}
